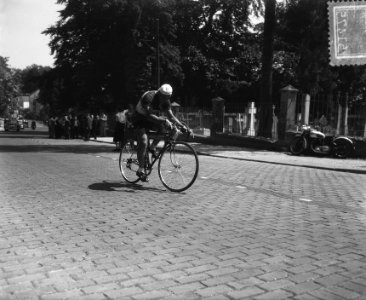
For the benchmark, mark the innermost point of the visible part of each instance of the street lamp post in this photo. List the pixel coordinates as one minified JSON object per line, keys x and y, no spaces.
{"x":158,"y":51}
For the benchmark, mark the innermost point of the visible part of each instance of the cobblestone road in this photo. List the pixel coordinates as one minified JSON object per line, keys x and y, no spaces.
{"x":71,"y":229}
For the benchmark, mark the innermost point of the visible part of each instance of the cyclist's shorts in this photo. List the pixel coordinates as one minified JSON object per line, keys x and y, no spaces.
{"x":140,"y":121}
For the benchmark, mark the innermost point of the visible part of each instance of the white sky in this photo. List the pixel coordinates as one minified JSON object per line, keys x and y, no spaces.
{"x":21,"y":26}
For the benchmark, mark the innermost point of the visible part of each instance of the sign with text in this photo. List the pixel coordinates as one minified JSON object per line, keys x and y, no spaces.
{"x":347,"y":32}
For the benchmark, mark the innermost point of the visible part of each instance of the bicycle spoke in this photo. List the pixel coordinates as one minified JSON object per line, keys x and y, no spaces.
{"x":177,"y":166}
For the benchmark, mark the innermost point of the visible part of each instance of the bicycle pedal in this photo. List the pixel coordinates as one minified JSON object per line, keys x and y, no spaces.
{"x":154,"y":153}
{"x":143,"y":177}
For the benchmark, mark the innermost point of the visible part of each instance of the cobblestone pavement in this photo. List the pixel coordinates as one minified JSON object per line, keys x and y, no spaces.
{"x":71,"y":229}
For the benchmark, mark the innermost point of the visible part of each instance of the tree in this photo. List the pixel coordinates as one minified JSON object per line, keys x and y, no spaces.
{"x":266,"y":101}
{"x":31,"y":78}
{"x":51,"y":91}
{"x":219,"y":52}
{"x":9,"y":86}
{"x":107,"y":49}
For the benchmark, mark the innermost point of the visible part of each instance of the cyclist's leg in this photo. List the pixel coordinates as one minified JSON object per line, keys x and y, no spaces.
{"x":141,"y":147}
{"x":160,"y":129}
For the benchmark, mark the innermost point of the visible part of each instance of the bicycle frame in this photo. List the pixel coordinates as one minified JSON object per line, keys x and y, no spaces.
{"x":168,"y":138}
{"x":169,"y":161}
{"x":148,"y":163}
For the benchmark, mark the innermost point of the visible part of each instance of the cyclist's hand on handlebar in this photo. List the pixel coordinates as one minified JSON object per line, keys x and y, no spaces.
{"x":168,"y":124}
{"x":186,"y":130}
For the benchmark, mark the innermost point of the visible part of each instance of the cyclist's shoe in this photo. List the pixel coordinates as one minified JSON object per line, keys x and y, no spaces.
{"x":143,"y":177}
{"x":154,"y":153}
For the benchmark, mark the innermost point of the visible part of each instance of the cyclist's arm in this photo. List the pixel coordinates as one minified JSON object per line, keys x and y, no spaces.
{"x":173,"y":118}
{"x":155,"y":119}
{"x":146,"y":110}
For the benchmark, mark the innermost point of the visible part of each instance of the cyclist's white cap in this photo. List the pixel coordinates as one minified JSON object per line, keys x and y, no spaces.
{"x":166,"y":89}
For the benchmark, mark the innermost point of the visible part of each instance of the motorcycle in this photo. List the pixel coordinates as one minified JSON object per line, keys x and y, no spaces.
{"x":316,"y":141}
{"x":33,"y":125}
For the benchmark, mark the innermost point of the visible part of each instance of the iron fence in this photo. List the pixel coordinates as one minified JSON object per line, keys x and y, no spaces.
{"x":202,"y":121}
{"x":324,"y":113}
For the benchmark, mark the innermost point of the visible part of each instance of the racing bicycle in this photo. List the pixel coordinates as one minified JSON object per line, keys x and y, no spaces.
{"x":177,"y":161}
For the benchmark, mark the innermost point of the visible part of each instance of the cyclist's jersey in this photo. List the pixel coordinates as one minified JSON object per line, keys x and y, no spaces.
{"x":149,"y":103}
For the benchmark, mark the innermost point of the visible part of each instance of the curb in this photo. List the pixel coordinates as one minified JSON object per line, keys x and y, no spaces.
{"x":287,"y":164}
{"x":204,"y":141}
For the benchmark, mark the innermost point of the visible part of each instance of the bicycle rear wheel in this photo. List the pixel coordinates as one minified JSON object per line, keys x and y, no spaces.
{"x":128,"y":162}
{"x":178,"y":166}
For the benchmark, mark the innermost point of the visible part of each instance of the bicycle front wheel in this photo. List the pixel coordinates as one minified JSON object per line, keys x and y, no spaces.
{"x":128,"y":162}
{"x":178,"y":166}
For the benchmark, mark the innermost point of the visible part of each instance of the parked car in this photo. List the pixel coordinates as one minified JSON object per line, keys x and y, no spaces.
{"x":2,"y":124}
{"x":20,"y":123}
{"x":11,"y":124}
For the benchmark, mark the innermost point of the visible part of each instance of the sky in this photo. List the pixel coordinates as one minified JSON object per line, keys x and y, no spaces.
{"x":21,"y":26}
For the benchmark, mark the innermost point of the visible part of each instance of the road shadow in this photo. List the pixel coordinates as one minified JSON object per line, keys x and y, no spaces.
{"x":42,"y":143}
{"x":204,"y":149}
{"x":56,"y":148}
{"x":23,"y":135}
{"x":118,"y":186}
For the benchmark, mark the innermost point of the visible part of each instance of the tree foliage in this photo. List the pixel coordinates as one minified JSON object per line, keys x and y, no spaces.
{"x":108,"y":49}
{"x":9,"y":86}
{"x":31,"y":78}
{"x":219,"y":52}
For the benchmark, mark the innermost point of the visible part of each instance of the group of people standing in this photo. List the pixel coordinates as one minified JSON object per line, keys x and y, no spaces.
{"x":87,"y":126}
{"x":74,"y":126}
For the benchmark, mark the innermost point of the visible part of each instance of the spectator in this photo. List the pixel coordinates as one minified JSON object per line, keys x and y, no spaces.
{"x":103,"y":124}
{"x":119,"y":128}
{"x":82,"y":126}
{"x":67,"y":127}
{"x":60,"y":127}
{"x":95,"y":126}
{"x":88,"y":126}
{"x":74,"y":127}
{"x":57,"y":128}
{"x":51,"y":127}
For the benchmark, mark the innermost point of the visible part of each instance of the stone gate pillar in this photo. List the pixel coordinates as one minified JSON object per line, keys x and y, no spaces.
{"x":218,"y":111}
{"x":287,"y":118}
{"x":305,"y":109}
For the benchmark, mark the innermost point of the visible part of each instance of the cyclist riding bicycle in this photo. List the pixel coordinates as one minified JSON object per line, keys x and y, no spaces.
{"x":147,"y":117}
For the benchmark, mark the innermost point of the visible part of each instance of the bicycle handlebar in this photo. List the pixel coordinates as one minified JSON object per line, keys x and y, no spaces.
{"x":176,"y":130}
